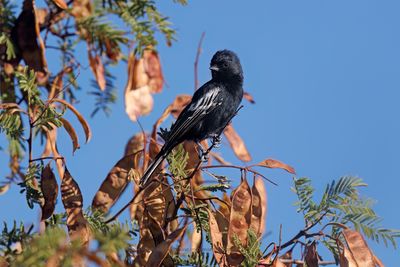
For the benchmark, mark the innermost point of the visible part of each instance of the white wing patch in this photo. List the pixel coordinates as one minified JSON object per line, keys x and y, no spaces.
{"x":206,"y":102}
{"x":197,"y":111}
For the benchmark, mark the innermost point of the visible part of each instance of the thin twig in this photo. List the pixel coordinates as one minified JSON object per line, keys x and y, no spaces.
{"x":279,"y":244}
{"x":145,"y":161}
{"x":211,"y":199}
{"x":53,"y":158}
{"x":30,"y":139}
{"x":335,"y":224}
{"x":196,"y":62}
{"x":267,"y":247}
{"x":240,"y":168}
{"x":304,"y":233}
{"x":316,"y":221}
{"x":299,"y":235}
{"x":300,"y":262}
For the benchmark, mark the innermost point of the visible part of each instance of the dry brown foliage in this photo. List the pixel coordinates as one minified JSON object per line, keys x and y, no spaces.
{"x":30,"y":44}
{"x":144,"y":78}
{"x":49,"y":189}
{"x":180,"y":203}
{"x":73,"y":203}
{"x":356,"y":251}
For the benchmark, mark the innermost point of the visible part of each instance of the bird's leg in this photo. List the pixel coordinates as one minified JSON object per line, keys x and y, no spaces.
{"x":216,"y":140}
{"x":202,"y":153}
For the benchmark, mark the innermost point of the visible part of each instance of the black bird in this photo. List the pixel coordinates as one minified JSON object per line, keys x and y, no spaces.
{"x":213,"y":105}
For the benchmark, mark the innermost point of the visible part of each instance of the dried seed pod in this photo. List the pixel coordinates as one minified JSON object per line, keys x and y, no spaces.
{"x":239,"y":223}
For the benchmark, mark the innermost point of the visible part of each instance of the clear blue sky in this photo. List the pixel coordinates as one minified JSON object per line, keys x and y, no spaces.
{"x":326,"y":79}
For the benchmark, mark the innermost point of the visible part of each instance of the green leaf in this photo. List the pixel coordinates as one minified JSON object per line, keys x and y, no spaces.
{"x":10,"y":49}
{"x":177,"y":160}
{"x":251,"y":252}
{"x":341,"y":203}
{"x":32,"y":192}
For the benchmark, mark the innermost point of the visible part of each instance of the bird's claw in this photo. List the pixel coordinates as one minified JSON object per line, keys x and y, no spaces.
{"x":203,"y":154}
{"x":204,"y":157}
{"x":216,"y":141}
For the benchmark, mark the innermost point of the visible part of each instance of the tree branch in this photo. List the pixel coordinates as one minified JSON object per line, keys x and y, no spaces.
{"x":196,"y":62}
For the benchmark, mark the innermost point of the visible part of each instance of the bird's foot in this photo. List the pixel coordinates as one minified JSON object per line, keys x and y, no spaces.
{"x":203,"y":154}
{"x":204,"y":157}
{"x":216,"y":141}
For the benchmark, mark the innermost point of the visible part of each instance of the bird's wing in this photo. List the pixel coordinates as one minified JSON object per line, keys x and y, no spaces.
{"x":204,"y":101}
{"x":194,"y":112}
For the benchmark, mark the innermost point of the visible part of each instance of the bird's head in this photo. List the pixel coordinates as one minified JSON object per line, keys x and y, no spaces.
{"x":225,"y":64}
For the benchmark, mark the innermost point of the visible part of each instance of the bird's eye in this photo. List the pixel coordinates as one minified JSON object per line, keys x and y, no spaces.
{"x":225,"y":64}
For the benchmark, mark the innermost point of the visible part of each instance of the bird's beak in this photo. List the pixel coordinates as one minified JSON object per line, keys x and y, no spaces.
{"x":214,"y":67}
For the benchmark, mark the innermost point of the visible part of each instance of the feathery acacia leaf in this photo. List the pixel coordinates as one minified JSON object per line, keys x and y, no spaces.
{"x":341,"y":203}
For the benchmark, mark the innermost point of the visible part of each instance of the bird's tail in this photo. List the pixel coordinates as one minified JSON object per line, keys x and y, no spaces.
{"x":152,"y":167}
